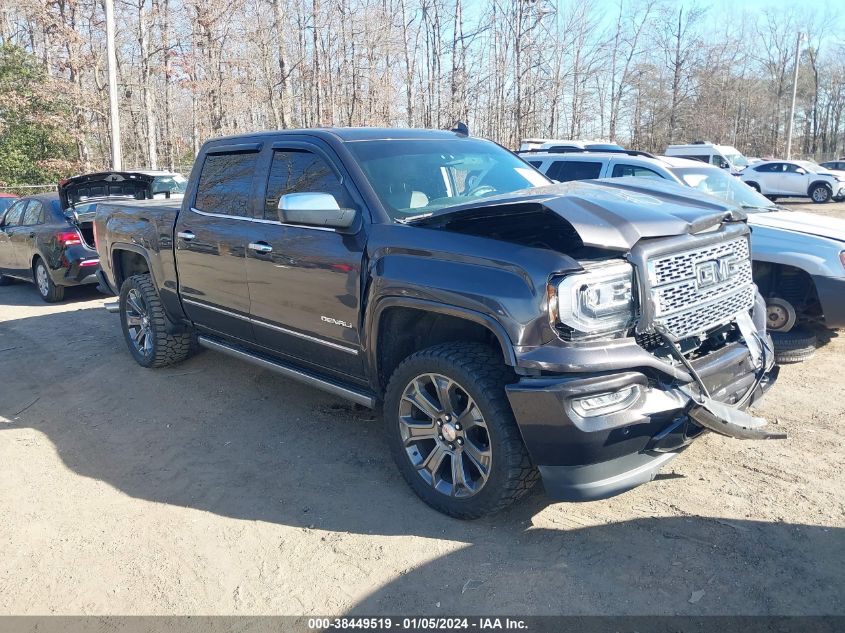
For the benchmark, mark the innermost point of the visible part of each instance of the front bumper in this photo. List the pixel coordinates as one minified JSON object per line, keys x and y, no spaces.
{"x":831,"y":293}
{"x":589,"y":458}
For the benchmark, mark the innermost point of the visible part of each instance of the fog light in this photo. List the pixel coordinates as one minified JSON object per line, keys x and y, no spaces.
{"x":606,"y":403}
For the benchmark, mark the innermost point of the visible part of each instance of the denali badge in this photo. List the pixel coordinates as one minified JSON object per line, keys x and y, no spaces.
{"x":335,"y":321}
{"x":715,"y":271}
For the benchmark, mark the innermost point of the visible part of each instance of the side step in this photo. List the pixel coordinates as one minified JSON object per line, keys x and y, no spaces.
{"x":112,"y":306}
{"x":289,"y":371}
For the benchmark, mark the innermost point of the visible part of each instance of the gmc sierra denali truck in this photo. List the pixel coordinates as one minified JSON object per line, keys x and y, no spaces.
{"x":510,"y":329}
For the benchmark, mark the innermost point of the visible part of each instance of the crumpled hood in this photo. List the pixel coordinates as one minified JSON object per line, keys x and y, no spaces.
{"x":800,"y":222}
{"x":613,"y":214}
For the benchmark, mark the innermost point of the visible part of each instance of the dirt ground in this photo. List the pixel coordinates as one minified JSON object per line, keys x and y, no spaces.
{"x":215,"y":487}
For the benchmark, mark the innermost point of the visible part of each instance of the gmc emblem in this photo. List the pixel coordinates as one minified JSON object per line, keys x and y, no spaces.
{"x":715,"y":271}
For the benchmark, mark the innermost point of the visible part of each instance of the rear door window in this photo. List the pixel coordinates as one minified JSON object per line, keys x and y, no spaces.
{"x":34,"y":214}
{"x":620,"y":170}
{"x":225,"y":184}
{"x":301,"y":171}
{"x":567,"y":170}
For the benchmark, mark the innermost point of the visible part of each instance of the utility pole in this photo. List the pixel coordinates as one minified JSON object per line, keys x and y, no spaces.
{"x":794,"y":91}
{"x":114,"y":115}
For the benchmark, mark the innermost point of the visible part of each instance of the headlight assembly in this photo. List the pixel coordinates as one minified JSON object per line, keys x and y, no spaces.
{"x":596,"y":302}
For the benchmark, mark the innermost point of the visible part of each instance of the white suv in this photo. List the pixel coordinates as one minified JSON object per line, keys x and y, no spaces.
{"x":587,"y":165}
{"x":795,"y":178}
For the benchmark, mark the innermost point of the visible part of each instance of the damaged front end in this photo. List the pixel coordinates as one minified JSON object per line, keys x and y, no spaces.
{"x":602,"y":414}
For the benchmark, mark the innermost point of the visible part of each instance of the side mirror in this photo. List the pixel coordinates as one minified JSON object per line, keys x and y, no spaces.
{"x":315,"y":209}
{"x":801,"y":171}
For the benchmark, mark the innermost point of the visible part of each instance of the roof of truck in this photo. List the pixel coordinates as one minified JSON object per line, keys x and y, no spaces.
{"x":352,"y":134}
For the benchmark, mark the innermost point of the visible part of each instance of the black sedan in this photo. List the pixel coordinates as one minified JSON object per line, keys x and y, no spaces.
{"x":41,"y":244}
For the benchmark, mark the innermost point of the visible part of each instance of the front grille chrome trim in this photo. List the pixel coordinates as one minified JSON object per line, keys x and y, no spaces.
{"x":672,"y":297}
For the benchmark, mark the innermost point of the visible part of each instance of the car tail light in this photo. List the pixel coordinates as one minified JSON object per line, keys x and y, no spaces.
{"x":842,"y":258}
{"x":68,"y":238}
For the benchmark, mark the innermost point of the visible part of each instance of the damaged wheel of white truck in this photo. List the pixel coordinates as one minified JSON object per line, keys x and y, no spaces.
{"x":452,"y":432}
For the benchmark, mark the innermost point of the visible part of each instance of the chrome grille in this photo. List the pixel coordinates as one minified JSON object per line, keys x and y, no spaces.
{"x":698,"y":289}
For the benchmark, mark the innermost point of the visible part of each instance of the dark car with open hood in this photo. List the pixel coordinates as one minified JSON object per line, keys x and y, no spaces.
{"x":509,"y":329}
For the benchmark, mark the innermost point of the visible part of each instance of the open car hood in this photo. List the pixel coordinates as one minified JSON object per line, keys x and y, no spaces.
{"x":105,"y":185}
{"x":613,"y":214}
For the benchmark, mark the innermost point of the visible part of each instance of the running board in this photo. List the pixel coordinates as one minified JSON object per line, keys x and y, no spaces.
{"x":112,"y":306}
{"x":289,"y":371}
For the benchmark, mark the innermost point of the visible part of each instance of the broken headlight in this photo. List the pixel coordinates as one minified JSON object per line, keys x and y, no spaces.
{"x":596,"y":302}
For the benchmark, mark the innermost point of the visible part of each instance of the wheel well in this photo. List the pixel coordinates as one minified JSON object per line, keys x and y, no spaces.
{"x":814,"y":184}
{"x":403,"y":331}
{"x":35,"y":258}
{"x":790,"y":283}
{"x":753,"y":185}
{"x":128,"y":263}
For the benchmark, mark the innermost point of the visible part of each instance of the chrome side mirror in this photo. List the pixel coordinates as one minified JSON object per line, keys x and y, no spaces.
{"x":315,"y":209}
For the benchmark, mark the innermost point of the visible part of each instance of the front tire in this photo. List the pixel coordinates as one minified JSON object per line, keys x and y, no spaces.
{"x":50,"y":292}
{"x":820,"y":194}
{"x":144,"y":323}
{"x":452,"y":432}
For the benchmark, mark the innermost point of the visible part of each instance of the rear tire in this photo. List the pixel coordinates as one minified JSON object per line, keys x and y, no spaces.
{"x":795,"y":346}
{"x":482,"y":465}
{"x":144,"y":325}
{"x":50,"y":292}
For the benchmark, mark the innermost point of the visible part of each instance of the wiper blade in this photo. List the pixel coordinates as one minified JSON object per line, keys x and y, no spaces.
{"x":412,"y":218}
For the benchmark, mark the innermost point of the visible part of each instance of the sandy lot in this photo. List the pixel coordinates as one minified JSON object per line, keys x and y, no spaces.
{"x":218,"y":488}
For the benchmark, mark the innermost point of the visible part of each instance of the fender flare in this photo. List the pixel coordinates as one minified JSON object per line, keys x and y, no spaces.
{"x":126,"y":246}
{"x":815,"y":183}
{"x":424,"y":305}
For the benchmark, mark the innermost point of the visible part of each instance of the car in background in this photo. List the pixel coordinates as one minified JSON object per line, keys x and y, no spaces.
{"x":40,"y":243}
{"x":835,"y":165}
{"x":722,"y":156}
{"x":795,"y":179}
{"x":798,"y":258}
{"x":167,"y":184}
{"x":566,"y":145}
{"x":6,"y":201}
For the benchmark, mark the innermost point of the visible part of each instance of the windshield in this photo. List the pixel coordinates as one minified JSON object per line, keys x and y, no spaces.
{"x":413,"y":178}
{"x":737,"y":160}
{"x":173,"y":184}
{"x":722,"y":185}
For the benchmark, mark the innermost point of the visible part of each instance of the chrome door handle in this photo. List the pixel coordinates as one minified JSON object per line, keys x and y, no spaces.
{"x":261,"y":247}
{"x":186,"y":235}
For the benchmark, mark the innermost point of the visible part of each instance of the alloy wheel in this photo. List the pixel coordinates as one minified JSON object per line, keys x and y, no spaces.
{"x":445,"y":436}
{"x":42,"y":280}
{"x":820,"y":194}
{"x":138,"y":323}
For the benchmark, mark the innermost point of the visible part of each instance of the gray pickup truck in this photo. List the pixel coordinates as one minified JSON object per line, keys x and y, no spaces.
{"x":510,"y":329}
